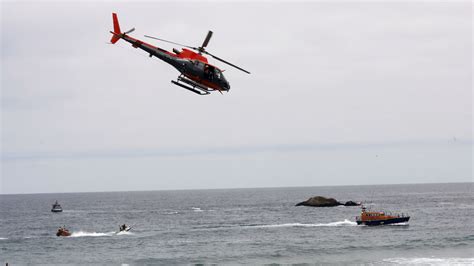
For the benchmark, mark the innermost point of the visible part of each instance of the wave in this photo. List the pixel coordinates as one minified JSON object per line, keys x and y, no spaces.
{"x":197,"y":209}
{"x":3,"y":238}
{"x":430,"y":261}
{"x":339,"y":223}
{"x":75,"y":211}
{"x":465,"y":206}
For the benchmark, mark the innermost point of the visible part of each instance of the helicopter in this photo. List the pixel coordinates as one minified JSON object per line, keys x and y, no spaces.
{"x":197,"y":75}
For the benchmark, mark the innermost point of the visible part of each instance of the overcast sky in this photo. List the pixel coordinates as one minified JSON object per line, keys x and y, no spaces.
{"x":341,"y":93}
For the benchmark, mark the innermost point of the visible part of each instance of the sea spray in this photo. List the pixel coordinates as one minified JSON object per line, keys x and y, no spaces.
{"x":83,"y":233}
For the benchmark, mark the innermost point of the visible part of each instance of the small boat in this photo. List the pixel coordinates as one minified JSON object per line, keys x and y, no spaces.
{"x":63,"y":232}
{"x":56,"y":207}
{"x":380,"y":218}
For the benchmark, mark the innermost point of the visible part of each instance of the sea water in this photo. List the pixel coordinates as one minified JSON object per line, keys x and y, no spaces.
{"x":233,"y":226}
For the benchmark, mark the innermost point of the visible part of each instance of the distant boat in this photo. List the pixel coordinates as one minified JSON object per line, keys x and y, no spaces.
{"x":57,"y":207}
{"x":380,"y":218}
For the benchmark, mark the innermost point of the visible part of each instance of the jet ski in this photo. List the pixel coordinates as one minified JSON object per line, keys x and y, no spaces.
{"x":124,"y":228}
{"x":63,"y":232}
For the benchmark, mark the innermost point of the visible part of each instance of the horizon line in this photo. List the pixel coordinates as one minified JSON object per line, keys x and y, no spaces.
{"x":235,"y":188}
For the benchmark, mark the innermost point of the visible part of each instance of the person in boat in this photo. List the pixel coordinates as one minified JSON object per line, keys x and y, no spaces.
{"x":123,"y":227}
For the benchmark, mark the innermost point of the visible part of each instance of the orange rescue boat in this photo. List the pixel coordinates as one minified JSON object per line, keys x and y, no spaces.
{"x":380,"y":218}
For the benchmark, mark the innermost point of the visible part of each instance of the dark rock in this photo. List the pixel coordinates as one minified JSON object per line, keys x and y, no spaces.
{"x":320,"y":202}
{"x":351,"y":203}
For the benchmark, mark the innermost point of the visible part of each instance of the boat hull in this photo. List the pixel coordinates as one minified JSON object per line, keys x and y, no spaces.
{"x":385,"y":221}
{"x":56,"y":210}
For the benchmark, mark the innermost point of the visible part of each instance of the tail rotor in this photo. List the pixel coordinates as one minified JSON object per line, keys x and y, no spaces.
{"x":117,"y":33}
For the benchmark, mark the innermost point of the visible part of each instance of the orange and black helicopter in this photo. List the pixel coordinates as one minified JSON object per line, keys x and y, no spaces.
{"x":197,"y":75}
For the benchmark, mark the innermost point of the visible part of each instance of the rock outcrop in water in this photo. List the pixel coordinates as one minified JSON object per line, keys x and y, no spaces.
{"x":351,"y":203}
{"x":319,"y":201}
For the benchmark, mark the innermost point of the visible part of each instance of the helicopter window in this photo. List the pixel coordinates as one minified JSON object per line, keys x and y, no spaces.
{"x":199,"y":64}
{"x":217,"y":73}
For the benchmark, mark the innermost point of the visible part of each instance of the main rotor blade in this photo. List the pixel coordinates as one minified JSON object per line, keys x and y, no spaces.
{"x":129,"y":31}
{"x":163,"y":40}
{"x":222,"y":60}
{"x":206,"y":41}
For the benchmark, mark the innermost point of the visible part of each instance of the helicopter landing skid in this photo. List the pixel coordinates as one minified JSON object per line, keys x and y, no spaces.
{"x":195,"y":87}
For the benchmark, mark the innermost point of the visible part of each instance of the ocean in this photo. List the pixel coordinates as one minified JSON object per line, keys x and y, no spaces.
{"x":240,"y":226}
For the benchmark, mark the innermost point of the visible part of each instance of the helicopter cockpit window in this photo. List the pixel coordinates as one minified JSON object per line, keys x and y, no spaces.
{"x":217,"y":73}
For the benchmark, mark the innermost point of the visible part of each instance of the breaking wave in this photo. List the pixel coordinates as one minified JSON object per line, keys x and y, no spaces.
{"x":339,"y":223}
{"x":430,"y":261}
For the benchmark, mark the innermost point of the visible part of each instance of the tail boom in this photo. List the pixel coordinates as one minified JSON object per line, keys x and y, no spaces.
{"x":162,"y":54}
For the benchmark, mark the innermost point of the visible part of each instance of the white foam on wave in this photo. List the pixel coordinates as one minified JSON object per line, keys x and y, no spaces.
{"x":339,"y":223}
{"x":3,"y":238}
{"x":196,"y":209}
{"x":82,"y":234}
{"x":430,"y":261}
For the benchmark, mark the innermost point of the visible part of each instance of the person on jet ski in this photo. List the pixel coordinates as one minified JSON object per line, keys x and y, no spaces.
{"x":123,"y":227}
